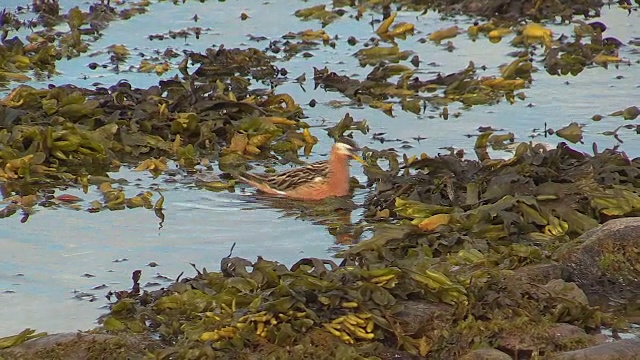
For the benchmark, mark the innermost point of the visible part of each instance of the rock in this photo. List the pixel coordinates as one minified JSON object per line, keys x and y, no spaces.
{"x":541,"y":273}
{"x":603,"y":261}
{"x":522,"y":9}
{"x":601,"y":339}
{"x":562,"y":331}
{"x":417,"y":317}
{"x":564,"y":289}
{"x":628,"y":349}
{"x":486,"y":354}
{"x":519,"y":345}
{"x":559,"y":336}
{"x":567,"y":336}
{"x":392,"y":354}
{"x":556,"y":337}
{"x":80,"y":346}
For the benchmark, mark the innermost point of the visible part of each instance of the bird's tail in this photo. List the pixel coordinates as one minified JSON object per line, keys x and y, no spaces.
{"x":249,"y":177}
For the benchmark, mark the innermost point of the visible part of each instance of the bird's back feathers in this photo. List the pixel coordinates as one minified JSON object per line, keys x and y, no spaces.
{"x":289,"y":179}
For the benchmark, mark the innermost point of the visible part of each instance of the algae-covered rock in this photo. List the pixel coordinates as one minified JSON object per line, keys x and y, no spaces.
{"x":568,"y":335}
{"x":416,"y":316}
{"x":541,"y":273}
{"x":605,"y":260}
{"x":486,"y":354}
{"x":80,"y":346}
{"x":524,"y":9}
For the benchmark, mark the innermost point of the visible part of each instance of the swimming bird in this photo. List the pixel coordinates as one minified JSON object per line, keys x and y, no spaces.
{"x":315,"y":181}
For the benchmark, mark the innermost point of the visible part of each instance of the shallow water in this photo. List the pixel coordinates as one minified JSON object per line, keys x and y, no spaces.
{"x":44,"y":261}
{"x":52,"y":263}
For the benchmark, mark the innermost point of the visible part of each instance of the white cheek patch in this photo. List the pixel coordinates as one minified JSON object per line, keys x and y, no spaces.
{"x":317,"y":179}
{"x":343,"y":148}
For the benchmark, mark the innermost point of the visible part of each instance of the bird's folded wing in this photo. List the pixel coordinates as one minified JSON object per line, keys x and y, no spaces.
{"x":290,"y":179}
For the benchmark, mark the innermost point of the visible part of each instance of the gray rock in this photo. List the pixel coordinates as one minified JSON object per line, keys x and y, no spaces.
{"x":417,"y":316}
{"x":541,"y":273}
{"x":486,"y":354}
{"x":628,"y":349}
{"x":559,"y":287}
{"x":562,"y":331}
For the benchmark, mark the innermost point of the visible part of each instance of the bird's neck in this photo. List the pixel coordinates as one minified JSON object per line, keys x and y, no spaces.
{"x":339,"y":173}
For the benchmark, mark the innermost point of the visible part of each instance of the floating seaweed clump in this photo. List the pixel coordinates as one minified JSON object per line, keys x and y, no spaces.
{"x":538,"y":197}
{"x":67,"y":135}
{"x":49,"y":40}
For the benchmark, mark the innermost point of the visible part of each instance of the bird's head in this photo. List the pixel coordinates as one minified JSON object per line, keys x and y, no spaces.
{"x":348,"y":147}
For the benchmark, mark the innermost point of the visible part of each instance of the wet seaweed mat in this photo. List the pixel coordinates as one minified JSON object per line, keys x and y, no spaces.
{"x":274,"y":310}
{"x":477,"y":259}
